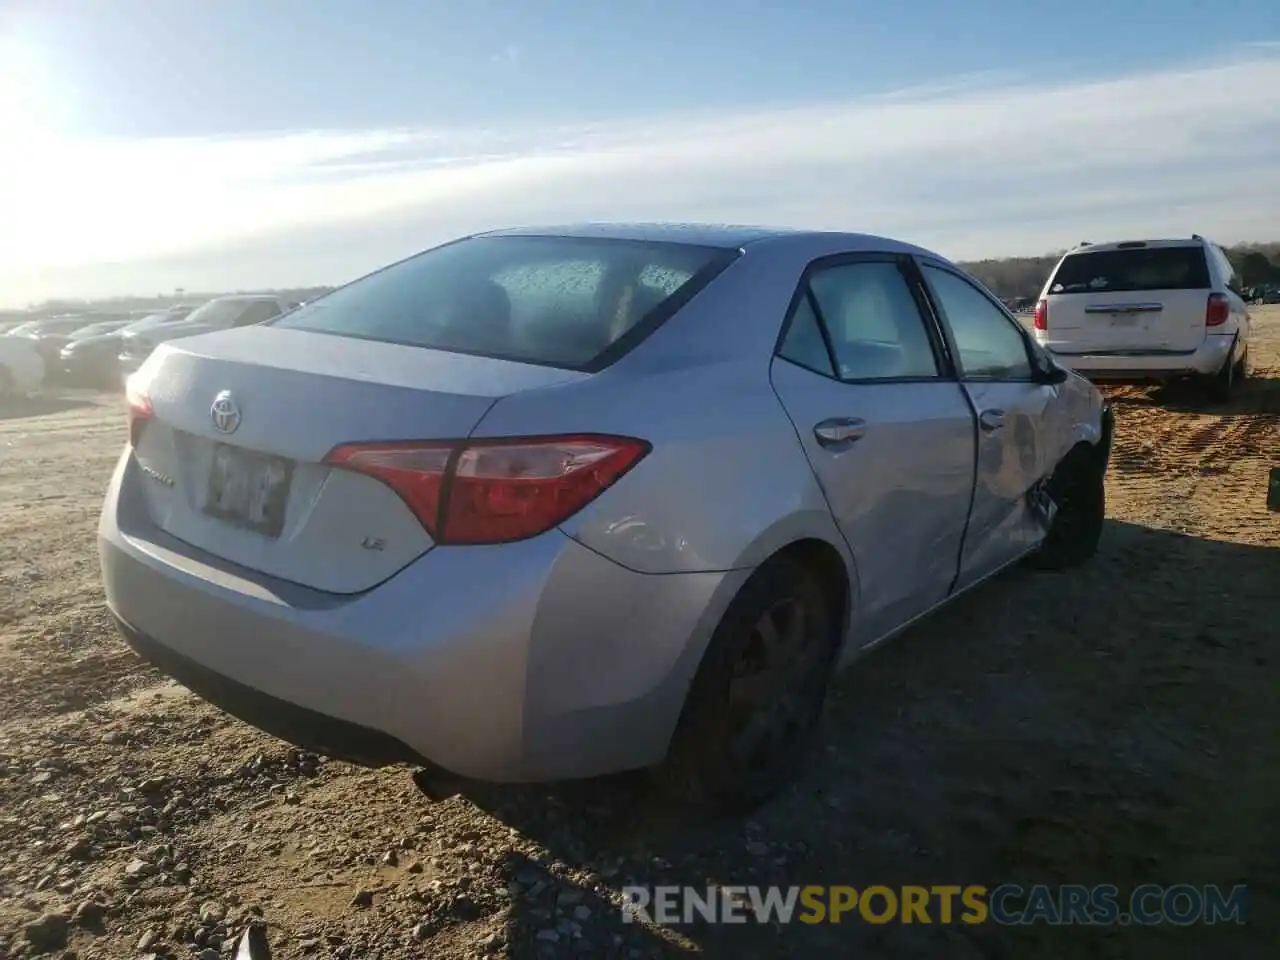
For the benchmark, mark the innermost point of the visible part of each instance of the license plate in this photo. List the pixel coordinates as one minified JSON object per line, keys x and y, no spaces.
{"x":1124,"y":320}
{"x":248,"y":489}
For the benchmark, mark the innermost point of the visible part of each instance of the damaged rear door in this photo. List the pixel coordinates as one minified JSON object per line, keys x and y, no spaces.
{"x":1013,"y":409}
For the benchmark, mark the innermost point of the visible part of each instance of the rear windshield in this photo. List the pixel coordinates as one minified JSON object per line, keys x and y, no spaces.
{"x":220,"y":312}
{"x":1118,"y":271}
{"x":561,"y":301}
{"x":62,"y":325}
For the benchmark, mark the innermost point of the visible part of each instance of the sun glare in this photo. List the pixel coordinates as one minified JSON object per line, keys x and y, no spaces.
{"x":30,"y":106}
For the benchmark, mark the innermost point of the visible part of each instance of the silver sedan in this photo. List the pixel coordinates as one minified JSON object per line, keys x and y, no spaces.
{"x":542,"y":504}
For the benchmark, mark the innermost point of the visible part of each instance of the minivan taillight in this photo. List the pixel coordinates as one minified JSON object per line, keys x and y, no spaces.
{"x":1217,"y":310}
{"x":494,"y":491}
{"x":1042,"y":314}
{"x":140,"y":409}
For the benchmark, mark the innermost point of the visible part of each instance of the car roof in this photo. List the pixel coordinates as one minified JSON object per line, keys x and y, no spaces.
{"x":1139,"y":244}
{"x":701,"y":234}
{"x":726,"y":236}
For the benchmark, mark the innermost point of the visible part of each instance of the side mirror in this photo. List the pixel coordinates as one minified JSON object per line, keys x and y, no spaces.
{"x":1050,"y":373}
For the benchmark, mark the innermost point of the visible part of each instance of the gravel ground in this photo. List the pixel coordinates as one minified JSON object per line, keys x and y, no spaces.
{"x":1115,"y":724}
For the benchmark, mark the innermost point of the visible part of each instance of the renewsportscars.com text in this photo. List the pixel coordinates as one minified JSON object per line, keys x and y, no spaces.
{"x":1009,"y":904}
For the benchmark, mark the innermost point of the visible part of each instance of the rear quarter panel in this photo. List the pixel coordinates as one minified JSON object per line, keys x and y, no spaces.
{"x":725,"y":485}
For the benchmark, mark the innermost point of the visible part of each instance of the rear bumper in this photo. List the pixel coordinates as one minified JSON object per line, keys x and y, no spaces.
{"x":1207,"y":360}
{"x":538,"y":660}
{"x":297,"y":725}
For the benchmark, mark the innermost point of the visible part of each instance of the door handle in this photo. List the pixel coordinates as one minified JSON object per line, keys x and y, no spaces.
{"x":839,"y":430}
{"x":991,"y":420}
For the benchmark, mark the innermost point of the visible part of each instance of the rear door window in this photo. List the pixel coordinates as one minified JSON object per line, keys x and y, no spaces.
{"x":562,"y":301}
{"x":871,"y":320}
{"x":804,"y":343}
{"x":1132,"y":270}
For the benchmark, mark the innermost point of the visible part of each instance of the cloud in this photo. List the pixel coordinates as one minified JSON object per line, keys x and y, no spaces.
{"x":983,"y":166}
{"x":509,"y":54}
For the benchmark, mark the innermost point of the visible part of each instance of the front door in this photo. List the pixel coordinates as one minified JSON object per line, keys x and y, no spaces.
{"x":993,"y":358}
{"x":889,"y":435}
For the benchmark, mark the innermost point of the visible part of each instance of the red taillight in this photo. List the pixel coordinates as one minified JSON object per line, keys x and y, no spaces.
{"x":1217,"y":310}
{"x":494,"y":491}
{"x":1042,"y":315}
{"x":140,"y":409}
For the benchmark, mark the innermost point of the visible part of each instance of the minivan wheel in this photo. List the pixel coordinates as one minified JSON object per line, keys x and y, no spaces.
{"x":1078,"y":489}
{"x":758,"y":694}
{"x":1222,"y":385}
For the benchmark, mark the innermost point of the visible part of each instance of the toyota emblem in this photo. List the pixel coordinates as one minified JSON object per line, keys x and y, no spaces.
{"x":224,"y":413}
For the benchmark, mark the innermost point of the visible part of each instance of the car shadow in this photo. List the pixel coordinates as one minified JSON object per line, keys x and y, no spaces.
{"x":18,"y":408}
{"x":1113,"y":724}
{"x":1259,"y":394}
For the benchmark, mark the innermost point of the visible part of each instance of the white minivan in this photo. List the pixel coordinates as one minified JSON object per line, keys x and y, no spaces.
{"x":1147,"y":311}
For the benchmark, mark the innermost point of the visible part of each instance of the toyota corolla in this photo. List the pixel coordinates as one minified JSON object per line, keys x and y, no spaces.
{"x":542,"y":504}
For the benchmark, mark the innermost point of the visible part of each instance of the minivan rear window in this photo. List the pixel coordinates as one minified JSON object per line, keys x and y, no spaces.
{"x":1120,"y":271}
{"x":560,"y":301}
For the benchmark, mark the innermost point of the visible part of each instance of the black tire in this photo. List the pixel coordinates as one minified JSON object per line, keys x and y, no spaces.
{"x":1079,"y":490}
{"x":758,"y":695}
{"x":1222,"y":385}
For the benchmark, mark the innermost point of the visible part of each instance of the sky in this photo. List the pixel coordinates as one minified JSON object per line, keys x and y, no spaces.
{"x":236,"y":144}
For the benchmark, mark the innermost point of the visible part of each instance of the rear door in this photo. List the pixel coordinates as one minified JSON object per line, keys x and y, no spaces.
{"x":886,"y":427}
{"x":1135,"y":298}
{"x":993,"y":357}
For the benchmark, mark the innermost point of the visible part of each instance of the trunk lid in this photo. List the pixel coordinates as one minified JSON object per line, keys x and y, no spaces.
{"x":1153,"y":321}
{"x":232,"y":461}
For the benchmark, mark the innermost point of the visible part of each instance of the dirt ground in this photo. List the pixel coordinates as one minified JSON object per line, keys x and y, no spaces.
{"x":1117,"y":724}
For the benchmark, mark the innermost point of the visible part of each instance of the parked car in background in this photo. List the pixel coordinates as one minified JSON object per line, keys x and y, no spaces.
{"x":99,"y":327}
{"x":21,"y":367}
{"x":555,"y":503}
{"x":221,"y":313}
{"x":11,"y":318}
{"x":1147,"y":311}
{"x":49,"y":335}
{"x":92,"y":359}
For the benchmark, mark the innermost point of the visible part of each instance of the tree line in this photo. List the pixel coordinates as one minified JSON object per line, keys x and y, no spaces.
{"x":1012,"y":278}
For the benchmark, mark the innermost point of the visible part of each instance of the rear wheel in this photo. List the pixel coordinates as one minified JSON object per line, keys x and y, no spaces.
{"x":759,"y":693}
{"x":1077,"y":488}
{"x":1223,"y":384}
